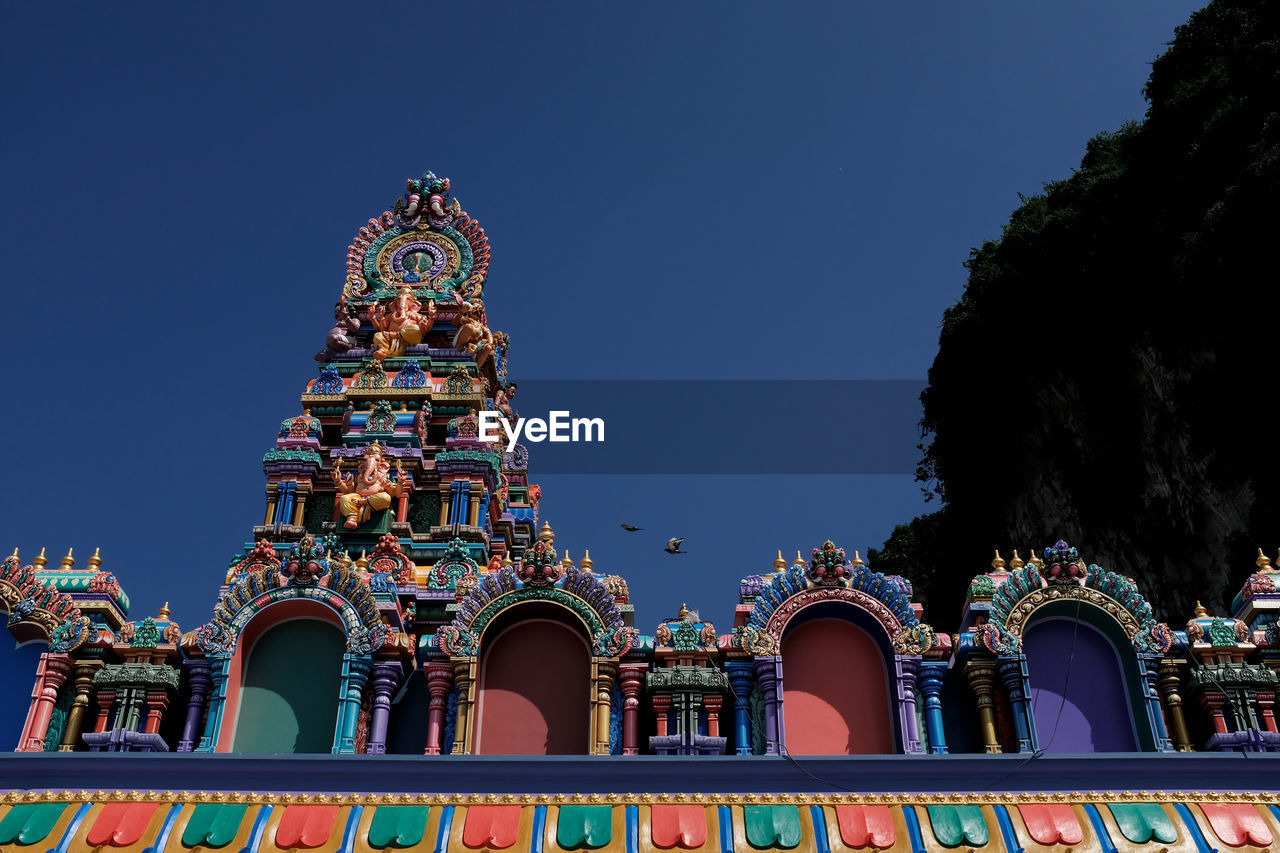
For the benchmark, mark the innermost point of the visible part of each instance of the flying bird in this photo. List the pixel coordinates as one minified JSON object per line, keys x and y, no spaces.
{"x":631,"y":528}
{"x":673,"y":546}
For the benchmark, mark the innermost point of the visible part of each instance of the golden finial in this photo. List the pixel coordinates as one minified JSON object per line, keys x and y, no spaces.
{"x":567,"y":561}
{"x":1263,"y":562}
{"x":1036,"y":561}
{"x":1016,"y":563}
{"x":799,"y":561}
{"x":586,"y":563}
{"x":857,"y":559}
{"x":164,"y":611}
{"x":95,"y":561}
{"x":506,"y":560}
{"x":546,"y":534}
{"x":39,"y":562}
{"x":684,"y":611}
{"x":1200,"y":611}
{"x":15,"y":553}
{"x":998,"y":562}
{"x":362,"y":562}
{"x":779,"y":565}
{"x":68,"y":562}
{"x":346,"y":559}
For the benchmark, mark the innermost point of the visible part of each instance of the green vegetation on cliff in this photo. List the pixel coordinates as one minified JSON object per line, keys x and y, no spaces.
{"x":1109,"y":375}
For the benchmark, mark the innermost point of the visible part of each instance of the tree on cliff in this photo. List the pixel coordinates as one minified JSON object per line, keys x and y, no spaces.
{"x":1109,"y":375}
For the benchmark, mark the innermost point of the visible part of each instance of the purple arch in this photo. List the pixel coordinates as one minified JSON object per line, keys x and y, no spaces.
{"x":1087,"y":708}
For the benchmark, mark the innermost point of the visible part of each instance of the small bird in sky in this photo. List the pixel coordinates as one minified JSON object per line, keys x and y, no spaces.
{"x":673,"y":546}
{"x":631,"y":528}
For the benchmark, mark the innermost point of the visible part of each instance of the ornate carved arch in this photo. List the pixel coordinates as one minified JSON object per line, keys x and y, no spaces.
{"x":830,"y":577}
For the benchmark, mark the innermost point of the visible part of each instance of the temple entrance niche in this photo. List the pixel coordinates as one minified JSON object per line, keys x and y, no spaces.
{"x":289,"y":691}
{"x":534,"y":685}
{"x":835,"y":689}
{"x":1079,"y":691}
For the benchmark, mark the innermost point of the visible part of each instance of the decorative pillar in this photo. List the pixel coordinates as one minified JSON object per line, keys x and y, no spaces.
{"x":1013,"y":673}
{"x":981,"y":673}
{"x":219,"y":667}
{"x":1213,"y":700}
{"x":930,"y":681}
{"x":767,"y":674}
{"x":1169,"y":683}
{"x":271,"y":504}
{"x":386,"y":677}
{"x":1266,"y":701}
{"x":50,"y":676}
{"x":439,"y":683}
{"x":355,"y":673}
{"x":712,"y":702}
{"x":299,"y":508}
{"x":630,"y":678}
{"x":198,"y":676}
{"x":473,"y":504}
{"x":742,"y":677}
{"x":446,"y":501}
{"x":106,"y":698}
{"x":1148,"y":681}
{"x":402,"y":508}
{"x":84,"y":672}
{"x":661,"y":707}
{"x":157,"y":703}
{"x":905,"y":669}
{"x":463,"y":676}
{"x":602,"y":675}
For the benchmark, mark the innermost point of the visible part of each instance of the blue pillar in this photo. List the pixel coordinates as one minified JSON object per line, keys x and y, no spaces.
{"x":930,"y":681}
{"x":742,"y":677}
{"x":1013,"y":672}
{"x":1148,"y":672}
{"x":217,"y":701}
{"x":355,"y":672}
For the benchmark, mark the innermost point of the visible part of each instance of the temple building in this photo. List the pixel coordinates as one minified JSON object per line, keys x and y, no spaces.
{"x":442,"y":624}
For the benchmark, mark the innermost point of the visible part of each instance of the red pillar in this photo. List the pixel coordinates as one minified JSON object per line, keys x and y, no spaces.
{"x":106,"y":698}
{"x":157,"y":702}
{"x":712,"y":702}
{"x":402,"y":508}
{"x":439,"y":683}
{"x":661,"y":705}
{"x":50,"y":675}
{"x":1213,"y":702}
{"x":1266,"y":701}
{"x":629,"y":679}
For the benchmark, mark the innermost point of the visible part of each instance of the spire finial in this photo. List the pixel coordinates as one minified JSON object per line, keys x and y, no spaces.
{"x":779,"y":565}
{"x":546,"y":534}
{"x":586,"y":562}
{"x":506,"y":559}
{"x":68,"y":562}
{"x":857,"y":559}
{"x":362,"y":562}
{"x":1200,"y":611}
{"x":1016,"y":563}
{"x":1263,"y":562}
{"x":567,"y":561}
{"x":39,"y":562}
{"x":798,"y":561}
{"x":1036,"y":561}
{"x":164,"y":610}
{"x":684,"y":611}
{"x":96,"y":560}
{"x":998,"y":562}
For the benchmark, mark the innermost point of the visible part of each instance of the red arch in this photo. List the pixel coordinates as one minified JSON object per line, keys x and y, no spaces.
{"x":535,"y":691}
{"x":835,"y":691}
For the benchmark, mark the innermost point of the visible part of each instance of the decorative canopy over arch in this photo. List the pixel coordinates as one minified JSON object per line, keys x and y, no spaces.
{"x":1061,"y":575}
{"x":38,"y":610}
{"x":307,"y":572}
{"x":538,"y":577}
{"x":830,"y":576}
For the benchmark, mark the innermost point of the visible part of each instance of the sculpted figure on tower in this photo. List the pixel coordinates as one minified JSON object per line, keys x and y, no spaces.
{"x":402,"y":326}
{"x":368,"y":491}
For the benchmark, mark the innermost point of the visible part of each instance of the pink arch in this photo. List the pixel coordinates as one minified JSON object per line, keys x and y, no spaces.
{"x":523,"y":708}
{"x":835,"y":691}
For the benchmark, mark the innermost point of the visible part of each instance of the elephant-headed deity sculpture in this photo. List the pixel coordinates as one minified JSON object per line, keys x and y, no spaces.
{"x":400,"y":323}
{"x":369,"y":490}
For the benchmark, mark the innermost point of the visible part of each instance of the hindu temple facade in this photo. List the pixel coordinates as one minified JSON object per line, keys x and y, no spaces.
{"x":408,"y":558}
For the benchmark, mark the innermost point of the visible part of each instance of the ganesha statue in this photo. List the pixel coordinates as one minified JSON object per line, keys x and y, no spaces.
{"x":400,"y":324}
{"x":369,"y":490}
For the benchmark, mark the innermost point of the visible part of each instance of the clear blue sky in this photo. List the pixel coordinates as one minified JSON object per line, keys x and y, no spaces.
{"x":671,"y":190}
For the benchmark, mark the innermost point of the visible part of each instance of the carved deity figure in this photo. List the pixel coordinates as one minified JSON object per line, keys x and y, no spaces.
{"x":369,"y":490}
{"x":473,"y":335}
{"x":401,"y":327}
{"x":502,"y":399}
{"x":342,"y":336}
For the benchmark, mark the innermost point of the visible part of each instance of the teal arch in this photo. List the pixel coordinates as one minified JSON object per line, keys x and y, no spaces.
{"x":289,"y":697}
